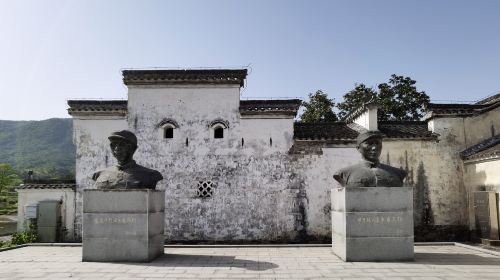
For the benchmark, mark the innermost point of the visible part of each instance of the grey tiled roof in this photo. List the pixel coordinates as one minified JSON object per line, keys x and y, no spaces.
{"x":454,"y":109}
{"x":343,"y":131}
{"x":323,"y":131}
{"x":31,"y":186}
{"x":405,"y":129}
{"x":462,"y":110}
{"x":199,"y":76}
{"x":490,"y":100}
{"x":97,"y":107}
{"x":487,"y":148}
{"x":257,"y":107}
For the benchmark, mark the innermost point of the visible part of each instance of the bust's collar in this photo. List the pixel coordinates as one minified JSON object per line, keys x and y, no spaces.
{"x":127,"y":165}
{"x":370,"y":164}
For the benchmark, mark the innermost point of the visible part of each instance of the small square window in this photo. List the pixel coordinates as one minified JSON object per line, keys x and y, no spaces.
{"x":219,"y":132}
{"x":169,"y":132}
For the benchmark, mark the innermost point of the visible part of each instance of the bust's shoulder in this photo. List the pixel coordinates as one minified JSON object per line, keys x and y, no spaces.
{"x":148,"y":171}
{"x":351,"y":168}
{"x":104,"y":172}
{"x":394,"y":170}
{"x":342,"y":175}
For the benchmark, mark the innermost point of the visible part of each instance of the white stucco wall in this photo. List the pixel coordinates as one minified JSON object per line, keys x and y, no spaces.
{"x":316,"y":173}
{"x":368,"y":119}
{"x":483,"y":126}
{"x":264,"y":192}
{"x":90,"y":135}
{"x":256,"y":189}
{"x":34,"y":196}
{"x":480,"y":175}
{"x":435,"y":171}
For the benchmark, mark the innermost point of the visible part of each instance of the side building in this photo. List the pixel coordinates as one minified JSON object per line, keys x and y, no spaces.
{"x":243,"y":171}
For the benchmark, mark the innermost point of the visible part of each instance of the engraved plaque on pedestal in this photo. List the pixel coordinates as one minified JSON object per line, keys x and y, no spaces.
{"x":486,"y":214}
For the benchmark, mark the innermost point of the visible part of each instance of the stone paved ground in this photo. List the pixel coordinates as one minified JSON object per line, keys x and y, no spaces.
{"x":431,"y":263}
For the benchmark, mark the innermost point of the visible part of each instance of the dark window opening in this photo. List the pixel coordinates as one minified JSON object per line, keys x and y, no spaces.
{"x":169,"y":132}
{"x":242,"y":142}
{"x":187,"y":142}
{"x":219,"y":132}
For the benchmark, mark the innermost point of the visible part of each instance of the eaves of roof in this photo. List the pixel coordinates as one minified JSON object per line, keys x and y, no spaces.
{"x":485,"y":149}
{"x":185,"y":77}
{"x":97,"y":107}
{"x":287,"y":107}
{"x":31,"y":186}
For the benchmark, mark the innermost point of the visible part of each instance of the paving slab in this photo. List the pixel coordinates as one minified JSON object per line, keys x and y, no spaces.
{"x":249,"y":262}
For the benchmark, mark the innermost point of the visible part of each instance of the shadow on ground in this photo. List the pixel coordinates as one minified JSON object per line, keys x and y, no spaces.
{"x":181,"y":260}
{"x":455,"y":259}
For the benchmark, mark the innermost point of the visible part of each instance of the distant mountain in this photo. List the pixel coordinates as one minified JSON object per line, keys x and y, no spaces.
{"x":46,"y":147}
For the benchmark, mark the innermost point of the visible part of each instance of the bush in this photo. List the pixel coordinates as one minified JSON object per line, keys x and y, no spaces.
{"x":28,"y":236}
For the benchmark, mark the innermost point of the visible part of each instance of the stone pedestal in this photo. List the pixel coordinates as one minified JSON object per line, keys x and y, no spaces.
{"x":486,"y":216}
{"x":123,"y":225}
{"x":372,"y":224}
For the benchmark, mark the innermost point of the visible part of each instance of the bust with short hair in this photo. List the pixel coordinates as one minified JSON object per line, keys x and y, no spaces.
{"x":126,"y":174}
{"x":370,"y":172}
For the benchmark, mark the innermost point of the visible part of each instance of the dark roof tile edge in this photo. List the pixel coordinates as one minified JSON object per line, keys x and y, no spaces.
{"x":30,"y":186}
{"x":481,"y":146}
{"x":186,"y":76}
{"x":270,"y":107}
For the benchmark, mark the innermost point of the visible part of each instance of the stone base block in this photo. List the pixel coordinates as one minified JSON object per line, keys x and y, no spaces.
{"x":123,"y":225}
{"x":490,"y":242}
{"x":373,"y":224}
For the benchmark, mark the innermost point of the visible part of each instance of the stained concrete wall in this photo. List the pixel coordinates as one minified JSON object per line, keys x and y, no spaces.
{"x":265,"y":190}
{"x":90,"y":136}
{"x":435,"y":171}
{"x":480,"y":176}
{"x":433,"y":168}
{"x":256,"y":188}
{"x":481,"y":127}
{"x":458,"y":134}
{"x":34,"y":196}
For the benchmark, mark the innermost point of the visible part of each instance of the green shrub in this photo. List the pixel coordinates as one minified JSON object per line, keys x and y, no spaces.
{"x":28,"y":236}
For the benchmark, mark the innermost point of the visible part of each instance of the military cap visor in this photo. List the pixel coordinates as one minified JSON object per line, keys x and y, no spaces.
{"x":362,"y":137}
{"x":124,"y":135}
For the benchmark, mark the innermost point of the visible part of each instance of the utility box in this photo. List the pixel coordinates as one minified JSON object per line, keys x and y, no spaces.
{"x":49,"y":221}
{"x":30,"y":211}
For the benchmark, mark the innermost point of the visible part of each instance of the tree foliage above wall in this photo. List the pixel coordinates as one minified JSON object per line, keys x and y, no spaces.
{"x":398,"y":100}
{"x":319,"y":108}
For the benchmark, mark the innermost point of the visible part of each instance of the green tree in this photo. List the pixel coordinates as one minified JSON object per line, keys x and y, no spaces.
{"x":356,"y":98}
{"x":8,"y":177}
{"x":398,"y":99}
{"x":319,"y":108}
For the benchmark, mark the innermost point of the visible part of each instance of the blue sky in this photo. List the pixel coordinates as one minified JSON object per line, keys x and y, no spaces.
{"x":52,"y":51}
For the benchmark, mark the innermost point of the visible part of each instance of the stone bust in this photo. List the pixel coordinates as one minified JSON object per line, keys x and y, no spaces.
{"x":126,"y":174}
{"x":370,"y":172}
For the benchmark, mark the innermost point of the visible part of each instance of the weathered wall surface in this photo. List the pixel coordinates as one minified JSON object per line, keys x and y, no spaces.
{"x":33,"y":196}
{"x":480,"y":176}
{"x":267,"y":187}
{"x":92,"y":154}
{"x":481,"y":127}
{"x":316,"y":178}
{"x":434,"y":170}
{"x":255,"y":186}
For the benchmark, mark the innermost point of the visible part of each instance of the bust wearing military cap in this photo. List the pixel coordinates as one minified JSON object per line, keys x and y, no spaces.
{"x":370,"y":172}
{"x":126,"y":174}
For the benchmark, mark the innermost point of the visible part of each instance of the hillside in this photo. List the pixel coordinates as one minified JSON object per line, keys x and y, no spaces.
{"x":45,"y":147}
